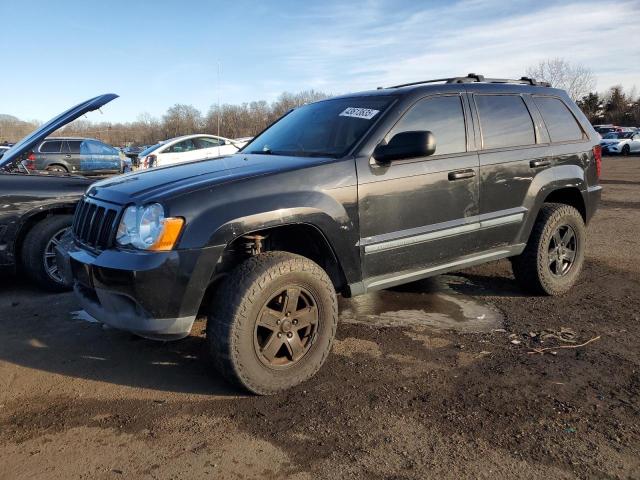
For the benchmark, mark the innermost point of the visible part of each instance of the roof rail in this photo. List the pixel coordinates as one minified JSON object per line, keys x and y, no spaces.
{"x":473,"y":78}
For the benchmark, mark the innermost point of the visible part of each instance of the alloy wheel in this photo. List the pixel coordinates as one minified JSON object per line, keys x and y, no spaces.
{"x":563,"y":248}
{"x":49,"y":256}
{"x":286,"y":327}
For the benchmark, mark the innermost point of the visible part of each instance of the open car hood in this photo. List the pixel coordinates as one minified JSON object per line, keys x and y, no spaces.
{"x":28,"y":142}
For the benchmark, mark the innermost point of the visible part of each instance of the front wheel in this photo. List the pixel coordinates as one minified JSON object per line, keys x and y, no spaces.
{"x":553,"y":257}
{"x":39,"y":255}
{"x":272,"y":323}
{"x":626,"y":150}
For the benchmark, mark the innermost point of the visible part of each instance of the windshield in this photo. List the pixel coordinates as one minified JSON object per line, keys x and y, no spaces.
{"x":617,"y":135}
{"x":329,"y":128}
{"x":147,"y":151}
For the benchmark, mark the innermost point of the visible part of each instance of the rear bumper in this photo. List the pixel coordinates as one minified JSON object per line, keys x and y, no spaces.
{"x":592,"y":200}
{"x":155,"y":295}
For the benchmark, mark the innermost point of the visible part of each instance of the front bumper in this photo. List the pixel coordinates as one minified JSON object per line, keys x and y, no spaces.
{"x":155,"y":295}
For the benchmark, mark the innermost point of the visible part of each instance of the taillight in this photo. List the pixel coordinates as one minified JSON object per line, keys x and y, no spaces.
{"x":597,"y":155}
{"x":30,"y":162}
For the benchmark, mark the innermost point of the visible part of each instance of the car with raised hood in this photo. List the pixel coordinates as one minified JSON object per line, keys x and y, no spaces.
{"x":342,"y":196}
{"x":36,"y":208}
{"x":187,"y":148}
{"x":621,"y":143}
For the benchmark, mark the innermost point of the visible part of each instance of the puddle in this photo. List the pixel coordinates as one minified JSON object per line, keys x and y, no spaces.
{"x":434,"y":302}
{"x":84,"y":316}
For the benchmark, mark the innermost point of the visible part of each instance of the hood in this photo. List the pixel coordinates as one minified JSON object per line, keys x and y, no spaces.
{"x":164,"y":182}
{"x":31,"y":140}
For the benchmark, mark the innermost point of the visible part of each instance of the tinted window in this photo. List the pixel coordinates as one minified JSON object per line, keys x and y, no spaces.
{"x":561,"y":124}
{"x":442,"y":116}
{"x":327,"y":128}
{"x":505,"y":121}
{"x":51,"y":146}
{"x":73,"y":146}
{"x":180,"y":147}
{"x":206,"y":142}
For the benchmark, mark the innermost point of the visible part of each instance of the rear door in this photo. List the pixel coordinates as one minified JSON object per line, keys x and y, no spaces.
{"x":208,"y":147}
{"x":49,"y":153}
{"x":514,"y":149}
{"x":71,"y":149}
{"x":419,"y":212}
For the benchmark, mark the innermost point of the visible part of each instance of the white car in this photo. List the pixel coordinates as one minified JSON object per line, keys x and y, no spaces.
{"x":188,"y":148}
{"x":622,"y":143}
{"x":3,"y":149}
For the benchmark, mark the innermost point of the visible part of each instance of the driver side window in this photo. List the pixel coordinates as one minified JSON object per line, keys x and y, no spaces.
{"x":181,"y":147}
{"x":443,"y":116}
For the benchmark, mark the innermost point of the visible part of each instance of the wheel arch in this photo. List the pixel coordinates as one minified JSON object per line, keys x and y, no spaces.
{"x":32,"y":218}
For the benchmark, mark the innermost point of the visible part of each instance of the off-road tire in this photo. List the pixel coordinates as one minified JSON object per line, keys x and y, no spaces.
{"x":234,"y":313}
{"x":33,"y":248}
{"x":531,"y":268}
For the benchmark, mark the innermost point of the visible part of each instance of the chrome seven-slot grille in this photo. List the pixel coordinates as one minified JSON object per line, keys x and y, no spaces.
{"x":94,"y":225}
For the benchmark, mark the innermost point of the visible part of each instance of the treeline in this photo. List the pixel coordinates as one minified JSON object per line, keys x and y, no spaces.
{"x":232,"y":121}
{"x":613,"y":106}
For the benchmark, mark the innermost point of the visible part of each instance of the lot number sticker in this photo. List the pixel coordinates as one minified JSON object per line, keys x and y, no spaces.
{"x":365,"y":113}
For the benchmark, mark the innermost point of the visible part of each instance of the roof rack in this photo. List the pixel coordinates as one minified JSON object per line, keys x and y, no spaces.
{"x":474,"y":78}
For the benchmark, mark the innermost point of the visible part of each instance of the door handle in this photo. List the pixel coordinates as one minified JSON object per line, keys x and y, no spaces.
{"x":67,"y":156}
{"x":459,"y":175}
{"x":539,"y":163}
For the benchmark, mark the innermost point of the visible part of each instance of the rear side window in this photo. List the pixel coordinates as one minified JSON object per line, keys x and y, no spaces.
{"x":73,"y":146}
{"x":561,"y":124}
{"x":206,"y":142}
{"x":51,"y":146}
{"x":183,"y":146}
{"x":505,"y":121}
{"x":442,"y":116}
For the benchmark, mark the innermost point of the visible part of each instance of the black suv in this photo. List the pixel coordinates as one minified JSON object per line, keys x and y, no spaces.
{"x":85,"y":156}
{"x":347,"y":195}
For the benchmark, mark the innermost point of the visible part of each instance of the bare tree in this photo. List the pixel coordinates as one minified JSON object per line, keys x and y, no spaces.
{"x":577,"y":80}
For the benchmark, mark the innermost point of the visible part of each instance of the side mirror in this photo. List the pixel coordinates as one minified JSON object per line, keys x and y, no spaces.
{"x":406,"y":145}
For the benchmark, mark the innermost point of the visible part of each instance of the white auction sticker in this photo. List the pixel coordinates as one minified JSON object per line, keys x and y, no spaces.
{"x":366,"y":113}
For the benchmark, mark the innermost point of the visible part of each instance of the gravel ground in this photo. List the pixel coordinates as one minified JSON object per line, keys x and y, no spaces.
{"x":431,"y":380}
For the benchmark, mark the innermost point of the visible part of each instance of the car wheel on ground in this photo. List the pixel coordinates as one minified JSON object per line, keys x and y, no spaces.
{"x":626,"y":150}
{"x":38,"y":252}
{"x":57,"y":169}
{"x":272,"y":323}
{"x":553,"y":257}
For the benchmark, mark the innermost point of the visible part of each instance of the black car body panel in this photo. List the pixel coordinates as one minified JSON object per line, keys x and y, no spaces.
{"x":385,"y":223}
{"x":28,"y":197}
{"x":24,"y":198}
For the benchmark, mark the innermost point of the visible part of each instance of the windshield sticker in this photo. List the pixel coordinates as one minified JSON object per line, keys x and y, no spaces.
{"x":365,"y":113}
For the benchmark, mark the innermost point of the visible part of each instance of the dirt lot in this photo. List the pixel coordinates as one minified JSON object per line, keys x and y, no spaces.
{"x":424,"y":381}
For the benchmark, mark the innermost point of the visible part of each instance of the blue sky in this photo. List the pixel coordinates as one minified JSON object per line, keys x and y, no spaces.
{"x":156,"y":54}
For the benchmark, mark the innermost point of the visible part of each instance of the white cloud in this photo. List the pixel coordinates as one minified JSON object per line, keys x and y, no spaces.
{"x":378,"y":46}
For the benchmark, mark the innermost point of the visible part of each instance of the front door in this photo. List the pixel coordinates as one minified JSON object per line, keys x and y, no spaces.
{"x":419,"y":213}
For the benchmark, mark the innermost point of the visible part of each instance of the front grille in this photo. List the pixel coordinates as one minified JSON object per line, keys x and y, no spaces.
{"x":95,"y":225}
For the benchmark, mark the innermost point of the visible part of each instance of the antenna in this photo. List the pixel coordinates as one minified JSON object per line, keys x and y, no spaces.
{"x":219,"y":112}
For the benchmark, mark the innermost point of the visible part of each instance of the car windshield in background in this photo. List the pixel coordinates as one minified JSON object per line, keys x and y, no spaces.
{"x":617,"y":135}
{"x":150,"y":149}
{"x":329,"y":128}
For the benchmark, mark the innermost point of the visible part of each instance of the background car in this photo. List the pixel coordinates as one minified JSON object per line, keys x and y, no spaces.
{"x":188,"y":148}
{"x":37,"y":209}
{"x":3,"y":149}
{"x":85,"y":156}
{"x":622,"y":143}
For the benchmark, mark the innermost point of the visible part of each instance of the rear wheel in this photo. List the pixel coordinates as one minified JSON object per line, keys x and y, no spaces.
{"x":38,"y":252}
{"x":272,"y":323}
{"x":553,"y":257}
{"x":57,"y":169}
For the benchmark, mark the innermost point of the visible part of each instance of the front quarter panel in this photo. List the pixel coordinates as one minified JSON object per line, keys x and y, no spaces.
{"x":324,"y":196}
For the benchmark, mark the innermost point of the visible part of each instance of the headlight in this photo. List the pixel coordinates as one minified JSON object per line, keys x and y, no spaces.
{"x":147,"y":228}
